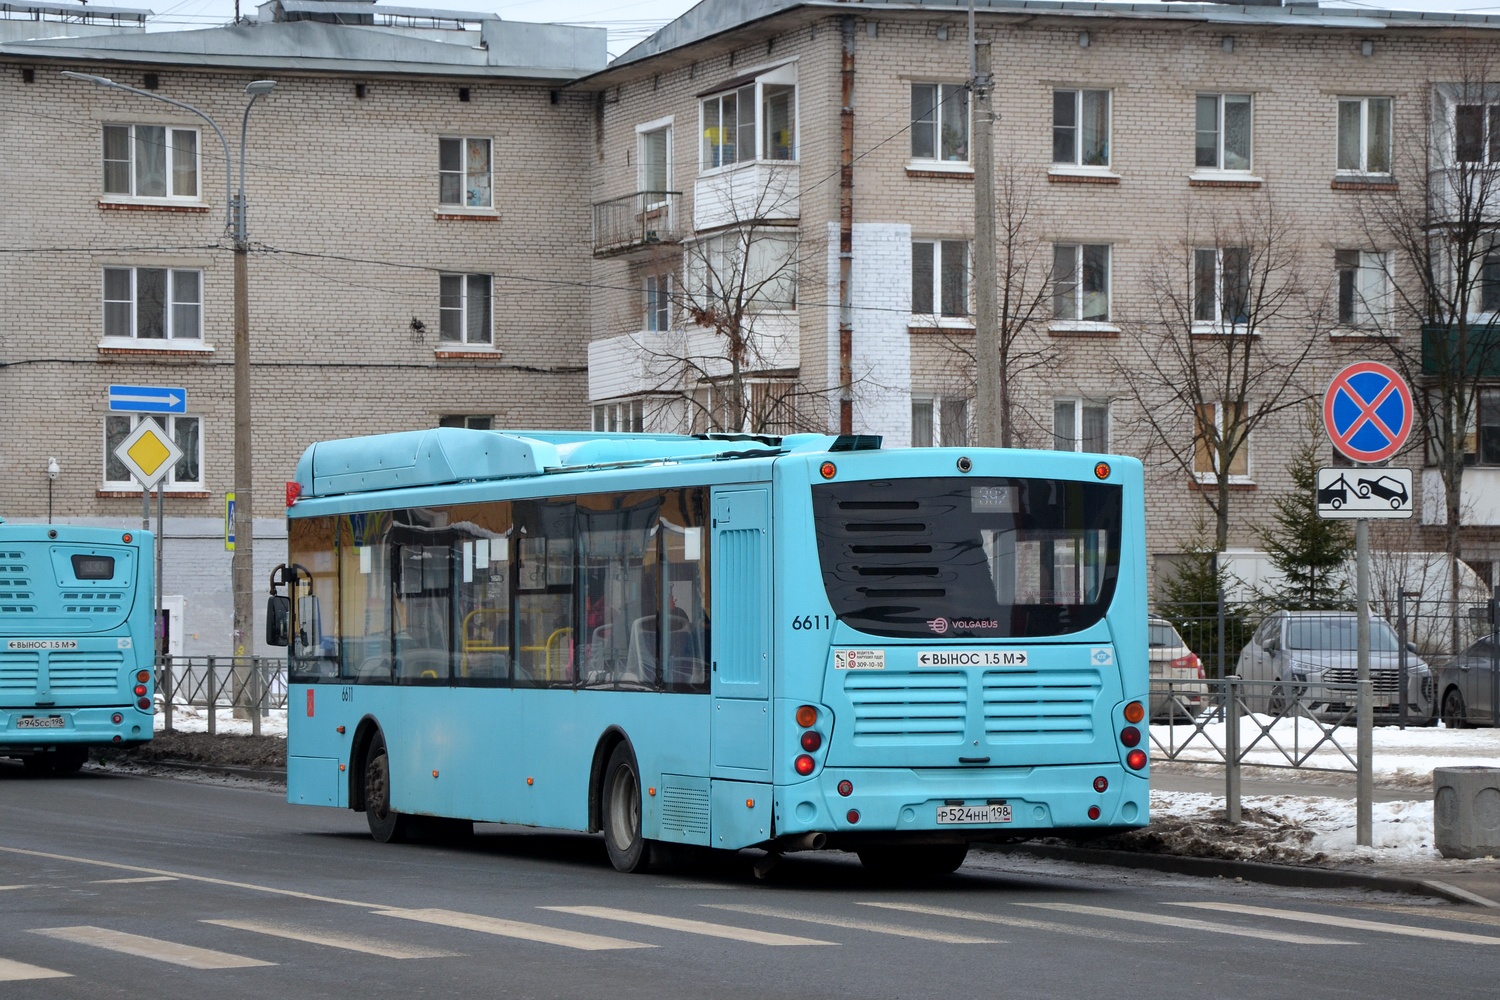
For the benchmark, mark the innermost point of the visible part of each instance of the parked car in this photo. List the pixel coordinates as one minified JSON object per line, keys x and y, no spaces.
{"x":1313,"y":654}
{"x":1173,"y":667}
{"x":1386,"y":488}
{"x":1465,"y":685}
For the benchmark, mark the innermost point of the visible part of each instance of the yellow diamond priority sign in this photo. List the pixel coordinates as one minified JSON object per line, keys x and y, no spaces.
{"x":148,"y":453}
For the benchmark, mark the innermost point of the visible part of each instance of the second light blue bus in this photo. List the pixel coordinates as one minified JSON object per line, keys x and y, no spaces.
{"x":786,"y":643}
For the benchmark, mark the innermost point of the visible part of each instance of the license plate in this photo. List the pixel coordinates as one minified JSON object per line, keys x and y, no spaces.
{"x":30,"y":722}
{"x":963,"y":815}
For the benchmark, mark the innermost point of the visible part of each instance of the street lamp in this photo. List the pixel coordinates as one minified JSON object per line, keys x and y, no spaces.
{"x":242,"y":563}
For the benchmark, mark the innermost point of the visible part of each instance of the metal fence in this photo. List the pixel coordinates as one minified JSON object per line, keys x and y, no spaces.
{"x":249,"y":685}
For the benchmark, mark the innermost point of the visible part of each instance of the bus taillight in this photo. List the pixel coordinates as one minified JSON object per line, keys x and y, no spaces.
{"x":1135,"y":759}
{"x":846,"y":788}
{"x":1135,"y":712}
{"x":140,"y":689}
{"x":1101,"y":784}
{"x":804,"y":764}
{"x":117,"y":718}
{"x":807,"y":716}
{"x":142,"y":676}
{"x":811,"y":740}
{"x":1130,"y":736}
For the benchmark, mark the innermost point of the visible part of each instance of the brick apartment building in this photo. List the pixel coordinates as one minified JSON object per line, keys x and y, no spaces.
{"x":459,"y":219}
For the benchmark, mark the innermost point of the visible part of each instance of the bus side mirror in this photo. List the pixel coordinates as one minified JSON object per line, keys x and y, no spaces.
{"x":278,"y":620}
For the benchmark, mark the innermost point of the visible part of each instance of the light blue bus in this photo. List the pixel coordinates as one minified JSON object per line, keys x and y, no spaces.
{"x":76,"y":642}
{"x":786,"y":643}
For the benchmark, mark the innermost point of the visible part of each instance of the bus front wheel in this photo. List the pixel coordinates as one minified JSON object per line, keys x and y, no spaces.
{"x":629,"y":852}
{"x":386,"y":824}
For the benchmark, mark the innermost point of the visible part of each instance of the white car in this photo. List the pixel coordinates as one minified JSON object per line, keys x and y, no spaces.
{"x":1173,"y":667}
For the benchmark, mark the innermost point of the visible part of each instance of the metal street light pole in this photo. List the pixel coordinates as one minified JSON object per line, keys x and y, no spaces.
{"x":242,"y":564}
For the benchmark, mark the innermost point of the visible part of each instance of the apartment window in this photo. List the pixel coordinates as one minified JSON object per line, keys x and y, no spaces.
{"x":1489,"y":282}
{"x":1365,"y":135}
{"x":654,"y":154}
{"x":1224,"y":131}
{"x":755,"y":120}
{"x":153,"y":303}
{"x":1080,"y":282}
{"x":940,"y":121}
{"x":940,"y":278}
{"x":185,"y":432}
{"x":1364,"y":288}
{"x":150,"y":161}
{"x":1221,"y":286}
{"x":942,"y":422}
{"x":756,"y":268}
{"x":626,"y":416}
{"x":1080,"y":127}
{"x":1476,"y":133}
{"x":658,"y":301}
{"x":464,"y":310}
{"x":473,"y":423}
{"x":1489,"y":428}
{"x":464,"y":175}
{"x":1211,"y":437}
{"x":1079,"y":425}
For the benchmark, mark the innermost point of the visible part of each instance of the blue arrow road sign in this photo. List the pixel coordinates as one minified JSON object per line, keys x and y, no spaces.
{"x":148,"y":398}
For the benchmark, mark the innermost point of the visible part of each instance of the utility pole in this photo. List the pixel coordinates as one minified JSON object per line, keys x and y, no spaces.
{"x":989,"y":420}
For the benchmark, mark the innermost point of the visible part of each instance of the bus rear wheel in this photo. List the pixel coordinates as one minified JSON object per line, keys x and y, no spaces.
{"x":916,"y":862}
{"x":386,"y":825}
{"x":70,"y":760}
{"x":629,"y":852}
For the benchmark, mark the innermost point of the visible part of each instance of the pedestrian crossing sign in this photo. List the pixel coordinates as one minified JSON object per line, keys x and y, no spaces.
{"x":148,"y":453}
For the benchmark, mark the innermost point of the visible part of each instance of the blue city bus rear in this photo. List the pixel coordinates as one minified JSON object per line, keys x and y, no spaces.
{"x":450,"y":662}
{"x":76,"y":646}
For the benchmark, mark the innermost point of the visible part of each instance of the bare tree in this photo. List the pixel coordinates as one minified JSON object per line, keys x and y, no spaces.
{"x":1224,"y":347}
{"x":1435,"y":227}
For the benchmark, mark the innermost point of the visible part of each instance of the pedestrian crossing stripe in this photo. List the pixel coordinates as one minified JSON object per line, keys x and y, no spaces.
{"x":1193,"y":925}
{"x":1350,"y":922}
{"x":145,"y":947}
{"x":348,"y":942}
{"x":14,"y":972}
{"x":133,"y":881}
{"x":1046,"y":926}
{"x":515,"y":929}
{"x":685,"y":926}
{"x":896,"y":930}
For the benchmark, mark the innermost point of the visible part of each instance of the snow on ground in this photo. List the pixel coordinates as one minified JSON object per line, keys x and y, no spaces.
{"x":1299,"y":826}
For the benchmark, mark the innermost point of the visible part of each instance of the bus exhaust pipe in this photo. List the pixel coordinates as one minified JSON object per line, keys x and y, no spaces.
{"x":803,"y":842}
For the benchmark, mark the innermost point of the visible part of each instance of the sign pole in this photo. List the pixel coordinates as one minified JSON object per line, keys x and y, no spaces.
{"x":161,"y":508}
{"x":1365,"y":784}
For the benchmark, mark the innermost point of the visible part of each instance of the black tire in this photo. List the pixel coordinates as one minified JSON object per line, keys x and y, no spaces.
{"x":386,"y":825}
{"x":70,"y":760}
{"x":1335,"y":503}
{"x":39,"y":765}
{"x":1276,"y":701}
{"x":1396,"y":503}
{"x":1363,"y":491}
{"x":917,"y":862}
{"x":628,"y":851}
{"x":1454,"y":713}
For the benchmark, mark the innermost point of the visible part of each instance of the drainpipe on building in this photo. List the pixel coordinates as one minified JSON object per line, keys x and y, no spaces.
{"x":846,"y":231}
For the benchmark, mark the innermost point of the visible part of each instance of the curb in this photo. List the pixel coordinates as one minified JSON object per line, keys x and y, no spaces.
{"x":274,"y":775}
{"x":1295,"y":876}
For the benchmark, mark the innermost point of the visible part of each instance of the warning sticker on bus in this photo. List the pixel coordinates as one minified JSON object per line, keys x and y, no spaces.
{"x":859,"y":659}
{"x":972,"y":658}
{"x":42,"y":644}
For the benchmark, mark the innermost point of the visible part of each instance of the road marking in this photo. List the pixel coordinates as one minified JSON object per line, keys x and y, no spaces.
{"x":685,"y":926}
{"x":1049,"y":926}
{"x":134,"y":881}
{"x":11,"y":972}
{"x":1350,"y":922}
{"x":515,"y":929}
{"x":5,"y":887}
{"x":896,"y":930}
{"x":144,"y":947}
{"x":348,"y":942}
{"x":1192,"y":925}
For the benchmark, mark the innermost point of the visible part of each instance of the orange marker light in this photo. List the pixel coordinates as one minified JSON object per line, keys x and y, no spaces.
{"x":341,"y":767}
{"x":1135,"y":712}
{"x":749,"y":803}
{"x":828,"y":470}
{"x":340,"y":730}
{"x":651,"y":792}
{"x":530,"y":781}
{"x":1101,"y":471}
{"x":434,"y":774}
{"x":807,"y":716}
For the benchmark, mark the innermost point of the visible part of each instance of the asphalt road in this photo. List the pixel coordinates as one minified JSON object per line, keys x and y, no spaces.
{"x":113,"y":885}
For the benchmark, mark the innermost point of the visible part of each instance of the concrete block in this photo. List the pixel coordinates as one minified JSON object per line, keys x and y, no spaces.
{"x":1466,"y":811}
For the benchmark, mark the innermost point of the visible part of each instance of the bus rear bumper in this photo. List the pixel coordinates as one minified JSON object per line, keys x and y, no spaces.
{"x":74,"y":726}
{"x":994,"y":803}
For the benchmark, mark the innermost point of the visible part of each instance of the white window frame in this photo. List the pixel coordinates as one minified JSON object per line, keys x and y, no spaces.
{"x":784,"y":75}
{"x":1078,"y":97}
{"x":1247,"y":452}
{"x":168,"y":424}
{"x":620,"y":416}
{"x":944,"y":93}
{"x":945,"y":415}
{"x":1218,"y":324}
{"x":656,"y":303}
{"x":1364,"y":136}
{"x":170,"y":165}
{"x":471,"y":196}
{"x":1078,"y":405}
{"x":770,"y":276}
{"x":1218,"y":167}
{"x":463,"y":310}
{"x":643,"y":133}
{"x":1489,"y":131}
{"x":173,"y":311}
{"x":470,"y":421}
{"x":1074,"y":319}
{"x":1369,"y":288}
{"x":939,"y":316}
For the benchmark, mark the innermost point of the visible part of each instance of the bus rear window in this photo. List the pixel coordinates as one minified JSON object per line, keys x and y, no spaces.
{"x":93,"y":567}
{"x":968,"y":557}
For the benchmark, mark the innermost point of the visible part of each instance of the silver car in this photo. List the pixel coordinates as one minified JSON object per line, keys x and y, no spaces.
{"x":1313,"y":655}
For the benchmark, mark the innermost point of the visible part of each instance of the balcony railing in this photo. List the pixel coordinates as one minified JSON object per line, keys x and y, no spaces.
{"x":636,"y":220}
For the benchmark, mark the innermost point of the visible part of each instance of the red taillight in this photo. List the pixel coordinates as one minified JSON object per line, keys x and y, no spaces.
{"x":804,"y":764}
{"x":125,"y":537}
{"x":117,"y":718}
{"x":807,"y":716}
{"x":293,"y":491}
{"x":140,"y":689}
{"x":1135,"y":759}
{"x":828,"y":470}
{"x":143,"y":703}
{"x":142,"y":676}
{"x":846,"y":788}
{"x":1093,"y":812}
{"x":1130,"y":736}
{"x":853,"y":816}
{"x":811,"y":740}
{"x":1101,"y":783}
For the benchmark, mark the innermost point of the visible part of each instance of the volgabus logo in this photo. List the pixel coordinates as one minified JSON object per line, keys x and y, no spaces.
{"x":938,"y":625}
